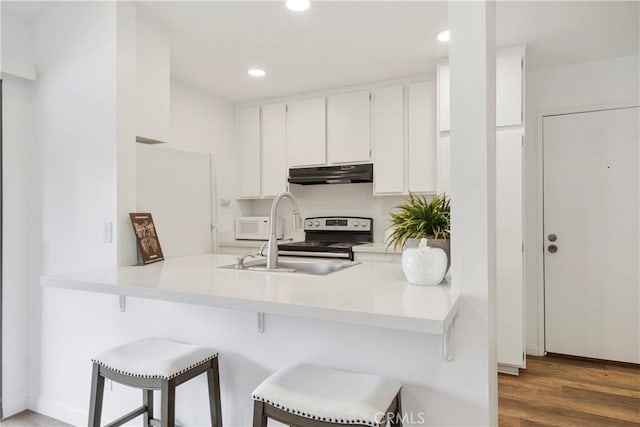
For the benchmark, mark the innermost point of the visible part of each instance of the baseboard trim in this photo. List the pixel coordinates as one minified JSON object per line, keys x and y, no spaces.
{"x":58,"y":411}
{"x":508,"y":369}
{"x":533,"y":350}
{"x":14,"y":406}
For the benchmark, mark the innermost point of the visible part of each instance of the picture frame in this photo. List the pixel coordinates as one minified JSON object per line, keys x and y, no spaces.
{"x":147,"y":241}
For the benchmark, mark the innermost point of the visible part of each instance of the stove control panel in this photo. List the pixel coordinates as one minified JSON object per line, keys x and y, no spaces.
{"x":338,"y":224}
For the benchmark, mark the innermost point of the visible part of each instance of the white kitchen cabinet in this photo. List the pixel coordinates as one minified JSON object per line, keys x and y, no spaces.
{"x":443,"y":97}
{"x":274,"y":154}
{"x":306,"y":133}
{"x":249,"y":135}
{"x":444,"y":165}
{"x":422,"y":147}
{"x":388,"y":140}
{"x":509,"y":263}
{"x":508,"y":92}
{"x":349,"y":127}
{"x":153,"y":82}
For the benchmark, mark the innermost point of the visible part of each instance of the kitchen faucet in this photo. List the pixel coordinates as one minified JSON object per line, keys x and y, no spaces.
{"x":272,"y":246}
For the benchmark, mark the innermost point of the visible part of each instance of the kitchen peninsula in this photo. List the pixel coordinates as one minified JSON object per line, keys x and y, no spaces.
{"x":371,"y":294}
{"x":363,"y":318}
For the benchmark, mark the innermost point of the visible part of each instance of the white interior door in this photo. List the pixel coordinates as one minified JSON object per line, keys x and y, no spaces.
{"x":591,"y":198}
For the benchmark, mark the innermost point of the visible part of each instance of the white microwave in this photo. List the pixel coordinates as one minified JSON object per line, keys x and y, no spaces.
{"x":256,"y":228}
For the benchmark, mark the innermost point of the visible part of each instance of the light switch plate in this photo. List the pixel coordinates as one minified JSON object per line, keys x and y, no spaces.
{"x":107,"y":232}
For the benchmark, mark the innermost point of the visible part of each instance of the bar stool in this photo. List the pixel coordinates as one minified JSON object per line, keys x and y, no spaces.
{"x":311,"y":396}
{"x":154,"y":364}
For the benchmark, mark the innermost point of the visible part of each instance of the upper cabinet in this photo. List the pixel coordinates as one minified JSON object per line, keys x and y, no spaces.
{"x":153,"y":81}
{"x":422,"y":157}
{"x":403,"y":164}
{"x":443,"y":97}
{"x":249,"y":139}
{"x":306,"y":133}
{"x":262,"y":134}
{"x":508,"y":92}
{"x":388,"y":140}
{"x":349,"y":128}
{"x":274,"y":152}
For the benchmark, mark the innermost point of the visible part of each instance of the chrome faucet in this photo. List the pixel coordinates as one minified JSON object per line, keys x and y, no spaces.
{"x":272,"y":246}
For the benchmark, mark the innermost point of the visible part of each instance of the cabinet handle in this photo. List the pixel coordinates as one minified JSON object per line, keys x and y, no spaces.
{"x":552,"y":249}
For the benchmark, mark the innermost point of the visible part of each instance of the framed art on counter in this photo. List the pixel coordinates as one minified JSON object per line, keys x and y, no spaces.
{"x":149,"y":249}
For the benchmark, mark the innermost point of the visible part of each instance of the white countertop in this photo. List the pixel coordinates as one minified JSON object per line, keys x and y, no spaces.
{"x":373,"y":294}
{"x":376,"y":248}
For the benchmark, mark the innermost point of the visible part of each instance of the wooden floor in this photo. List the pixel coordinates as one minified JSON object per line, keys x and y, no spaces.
{"x":552,"y":391}
{"x":561,"y":391}
{"x":31,"y":419}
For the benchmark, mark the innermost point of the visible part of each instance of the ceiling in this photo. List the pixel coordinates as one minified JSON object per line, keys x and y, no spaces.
{"x":339,"y":43}
{"x":342,"y":43}
{"x":332,"y":44}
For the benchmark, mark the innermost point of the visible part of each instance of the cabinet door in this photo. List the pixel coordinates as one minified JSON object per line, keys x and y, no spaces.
{"x":422,"y":137}
{"x":509,"y":91}
{"x":443,"y":98}
{"x":509,"y":282}
{"x":388,"y":140}
{"x":306,"y":133}
{"x":274,"y":154}
{"x":444,"y":165}
{"x":249,"y":127}
{"x":348,"y":128}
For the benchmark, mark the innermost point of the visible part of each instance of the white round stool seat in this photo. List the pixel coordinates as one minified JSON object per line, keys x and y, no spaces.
{"x":329,"y":395}
{"x":154,"y":358}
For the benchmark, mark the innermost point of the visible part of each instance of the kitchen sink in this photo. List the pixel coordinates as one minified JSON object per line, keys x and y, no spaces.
{"x":315,"y":267}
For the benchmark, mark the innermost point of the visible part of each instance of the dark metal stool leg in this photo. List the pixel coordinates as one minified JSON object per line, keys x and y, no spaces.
{"x":147,"y":402}
{"x":168,"y":404}
{"x":213,"y":379}
{"x":97,"y":394}
{"x":259,"y":417}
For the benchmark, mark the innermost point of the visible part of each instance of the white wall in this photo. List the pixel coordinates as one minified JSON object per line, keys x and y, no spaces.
{"x":584,"y":85}
{"x":20,"y":221}
{"x":204,"y":123}
{"x":75,"y":45}
{"x":334,"y":200}
{"x":20,"y":226}
{"x":16,"y":53}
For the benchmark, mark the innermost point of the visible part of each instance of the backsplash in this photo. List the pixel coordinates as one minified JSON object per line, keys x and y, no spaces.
{"x":334,"y":200}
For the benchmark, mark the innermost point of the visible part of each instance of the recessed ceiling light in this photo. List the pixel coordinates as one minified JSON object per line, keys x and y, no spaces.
{"x":257,"y":72}
{"x":443,"y":36}
{"x":298,"y":5}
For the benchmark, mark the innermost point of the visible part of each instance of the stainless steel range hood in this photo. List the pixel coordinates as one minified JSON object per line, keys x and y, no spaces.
{"x":344,"y":174}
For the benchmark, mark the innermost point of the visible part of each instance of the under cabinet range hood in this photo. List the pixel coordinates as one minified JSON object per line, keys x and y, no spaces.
{"x":344,"y":174}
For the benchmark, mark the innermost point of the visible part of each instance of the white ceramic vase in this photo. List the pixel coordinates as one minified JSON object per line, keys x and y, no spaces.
{"x":424,"y":265}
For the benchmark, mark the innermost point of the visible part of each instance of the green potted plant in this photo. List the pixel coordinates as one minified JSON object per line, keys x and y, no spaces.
{"x":419,"y":218}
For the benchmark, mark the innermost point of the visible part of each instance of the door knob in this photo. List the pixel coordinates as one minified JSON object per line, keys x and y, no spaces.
{"x":552,"y":237}
{"x":553,"y":249}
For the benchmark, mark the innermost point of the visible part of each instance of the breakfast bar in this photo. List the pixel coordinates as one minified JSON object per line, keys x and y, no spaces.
{"x":370,"y":294}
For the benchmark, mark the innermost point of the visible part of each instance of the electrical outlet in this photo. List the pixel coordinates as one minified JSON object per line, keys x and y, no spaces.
{"x":107,"y":232}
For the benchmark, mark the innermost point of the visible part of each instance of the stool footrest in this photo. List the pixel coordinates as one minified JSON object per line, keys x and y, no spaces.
{"x":128,"y":417}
